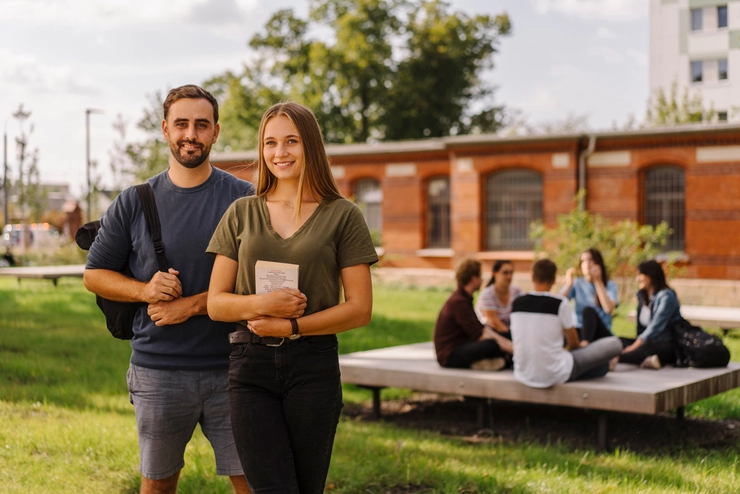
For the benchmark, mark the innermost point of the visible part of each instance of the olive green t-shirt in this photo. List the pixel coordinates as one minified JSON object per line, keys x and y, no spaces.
{"x":334,"y":237}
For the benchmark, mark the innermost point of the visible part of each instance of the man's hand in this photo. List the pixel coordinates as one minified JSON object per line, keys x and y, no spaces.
{"x":504,"y":344}
{"x":163,"y":287}
{"x":286,"y":303}
{"x":166,"y":313}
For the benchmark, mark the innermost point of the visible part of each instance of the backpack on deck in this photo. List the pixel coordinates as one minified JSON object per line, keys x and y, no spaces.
{"x":119,"y":316}
{"x":697,"y":348}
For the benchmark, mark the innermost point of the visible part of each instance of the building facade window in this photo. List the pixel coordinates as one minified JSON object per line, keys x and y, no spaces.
{"x":722,"y":116}
{"x":513,"y":202}
{"x":696,"y":20}
{"x":665,"y":193}
{"x":697,"y":71}
{"x":722,"y":69}
{"x":438,"y":213}
{"x":722,"y":16}
{"x":369,"y":197}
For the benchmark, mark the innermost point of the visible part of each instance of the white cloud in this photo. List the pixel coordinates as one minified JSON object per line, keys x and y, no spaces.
{"x":108,"y":13}
{"x":605,"y":33}
{"x":27,"y":72}
{"x":607,"y":10}
{"x":606,"y":54}
{"x":639,"y":57}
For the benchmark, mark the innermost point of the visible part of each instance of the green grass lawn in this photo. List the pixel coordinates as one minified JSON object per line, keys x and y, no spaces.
{"x":66,"y":425}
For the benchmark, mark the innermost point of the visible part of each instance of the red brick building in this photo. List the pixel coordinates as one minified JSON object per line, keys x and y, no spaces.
{"x":434,"y":201}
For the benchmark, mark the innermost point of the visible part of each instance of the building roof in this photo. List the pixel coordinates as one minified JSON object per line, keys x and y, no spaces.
{"x":443,"y":143}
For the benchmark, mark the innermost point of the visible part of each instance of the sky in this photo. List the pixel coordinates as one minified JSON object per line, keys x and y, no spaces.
{"x":60,"y":57}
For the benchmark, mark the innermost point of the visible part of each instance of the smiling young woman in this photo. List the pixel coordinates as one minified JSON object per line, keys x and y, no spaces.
{"x":284,"y":385}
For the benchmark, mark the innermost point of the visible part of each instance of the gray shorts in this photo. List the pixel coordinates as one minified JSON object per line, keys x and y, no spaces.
{"x":168,"y":405}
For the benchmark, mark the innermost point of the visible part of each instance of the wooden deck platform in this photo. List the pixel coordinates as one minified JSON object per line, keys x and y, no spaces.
{"x":628,"y":389}
{"x":44,"y":272}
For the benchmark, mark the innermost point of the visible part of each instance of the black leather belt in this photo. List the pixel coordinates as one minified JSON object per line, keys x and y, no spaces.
{"x":244,"y":337}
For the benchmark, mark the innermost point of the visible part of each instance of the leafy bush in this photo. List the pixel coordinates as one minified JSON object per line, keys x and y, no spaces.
{"x":623,"y":244}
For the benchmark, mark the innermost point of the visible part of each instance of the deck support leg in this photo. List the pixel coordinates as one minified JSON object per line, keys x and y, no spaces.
{"x":602,"y":432}
{"x":680,"y":413}
{"x":376,"y":402}
{"x":484,"y":413}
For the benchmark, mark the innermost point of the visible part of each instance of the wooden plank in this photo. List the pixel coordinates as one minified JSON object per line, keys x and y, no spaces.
{"x":44,"y":272}
{"x":628,"y":389}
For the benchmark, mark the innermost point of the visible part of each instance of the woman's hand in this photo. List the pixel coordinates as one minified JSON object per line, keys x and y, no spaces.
{"x":287,"y":303}
{"x":569,"y":276}
{"x":270,"y":327}
{"x":595,"y":271}
{"x":634,"y":346}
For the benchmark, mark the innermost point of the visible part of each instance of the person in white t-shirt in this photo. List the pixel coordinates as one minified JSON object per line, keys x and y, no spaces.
{"x":539,"y":320}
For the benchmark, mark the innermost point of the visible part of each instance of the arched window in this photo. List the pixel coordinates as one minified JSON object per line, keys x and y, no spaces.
{"x":513,"y":202}
{"x":369,"y":197}
{"x":665,"y":201}
{"x":438,"y":213}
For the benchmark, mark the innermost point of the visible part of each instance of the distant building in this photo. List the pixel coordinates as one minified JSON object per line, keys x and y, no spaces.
{"x":696,"y":44}
{"x":435,"y":201}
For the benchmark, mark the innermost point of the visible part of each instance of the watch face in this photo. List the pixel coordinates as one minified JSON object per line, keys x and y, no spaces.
{"x":294,"y":336}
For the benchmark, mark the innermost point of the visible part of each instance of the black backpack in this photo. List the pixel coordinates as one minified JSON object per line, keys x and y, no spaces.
{"x":696,"y":348}
{"x":119,"y":316}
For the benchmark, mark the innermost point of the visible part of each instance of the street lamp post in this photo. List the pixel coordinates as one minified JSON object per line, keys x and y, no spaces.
{"x":87,"y":142}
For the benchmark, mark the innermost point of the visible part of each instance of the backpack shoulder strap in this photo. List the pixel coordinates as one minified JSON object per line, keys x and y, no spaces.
{"x":146,"y":194}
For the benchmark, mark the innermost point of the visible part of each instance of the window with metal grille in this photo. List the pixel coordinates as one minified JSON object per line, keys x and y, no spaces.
{"x":664,"y":201}
{"x":369,"y":197}
{"x":438,"y":213}
{"x":513,"y":202}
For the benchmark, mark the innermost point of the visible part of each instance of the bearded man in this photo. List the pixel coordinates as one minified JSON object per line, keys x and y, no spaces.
{"x":177,"y":376}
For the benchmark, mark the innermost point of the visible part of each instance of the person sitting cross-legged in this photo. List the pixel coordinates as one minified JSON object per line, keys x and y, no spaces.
{"x":538,"y":322}
{"x":460,"y":339}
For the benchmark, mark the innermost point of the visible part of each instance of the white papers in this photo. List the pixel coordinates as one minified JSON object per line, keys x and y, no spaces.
{"x":269,"y":276}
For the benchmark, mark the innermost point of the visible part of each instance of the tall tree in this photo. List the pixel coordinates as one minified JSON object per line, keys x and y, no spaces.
{"x":439,"y":79}
{"x":380,"y":69}
{"x":151,"y":155}
{"x":31,"y":198}
{"x":668,"y":108}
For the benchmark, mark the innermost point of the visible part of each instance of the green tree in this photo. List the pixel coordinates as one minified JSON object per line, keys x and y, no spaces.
{"x":389,"y":69}
{"x":438,"y":82}
{"x":121,"y":166}
{"x":672,"y":109}
{"x":151,"y":155}
{"x":623,"y":244}
{"x":31,"y":197}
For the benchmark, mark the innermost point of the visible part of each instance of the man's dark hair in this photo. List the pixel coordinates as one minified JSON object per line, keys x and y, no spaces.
{"x":544,"y":271}
{"x":190,"y":91}
{"x":466,"y":270}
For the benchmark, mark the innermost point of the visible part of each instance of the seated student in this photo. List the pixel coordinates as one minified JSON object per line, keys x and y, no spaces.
{"x":595,"y":294}
{"x":460,"y":340}
{"x":538,"y":322}
{"x":494,"y":303}
{"x":658,"y":310}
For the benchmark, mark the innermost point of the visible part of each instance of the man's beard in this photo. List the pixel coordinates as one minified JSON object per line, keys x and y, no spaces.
{"x":189,"y":160}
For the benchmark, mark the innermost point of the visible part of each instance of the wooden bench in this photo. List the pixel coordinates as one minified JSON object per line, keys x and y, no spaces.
{"x":44,"y":272}
{"x":628,"y":389}
{"x":726,"y":318}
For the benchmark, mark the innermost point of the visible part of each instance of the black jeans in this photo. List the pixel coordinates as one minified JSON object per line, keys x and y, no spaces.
{"x":593,"y":327}
{"x":665,"y":350}
{"x":473,"y":351}
{"x":285,"y":403}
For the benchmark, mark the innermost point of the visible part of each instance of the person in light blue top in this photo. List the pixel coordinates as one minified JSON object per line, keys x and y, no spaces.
{"x":596,"y":297}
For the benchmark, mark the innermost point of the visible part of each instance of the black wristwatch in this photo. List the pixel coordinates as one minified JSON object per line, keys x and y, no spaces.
{"x":294,"y":325}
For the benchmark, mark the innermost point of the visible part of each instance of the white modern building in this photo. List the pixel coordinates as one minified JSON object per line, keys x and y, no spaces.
{"x":696,"y":45}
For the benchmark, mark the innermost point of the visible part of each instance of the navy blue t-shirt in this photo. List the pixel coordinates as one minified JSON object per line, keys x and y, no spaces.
{"x":188,"y":217}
